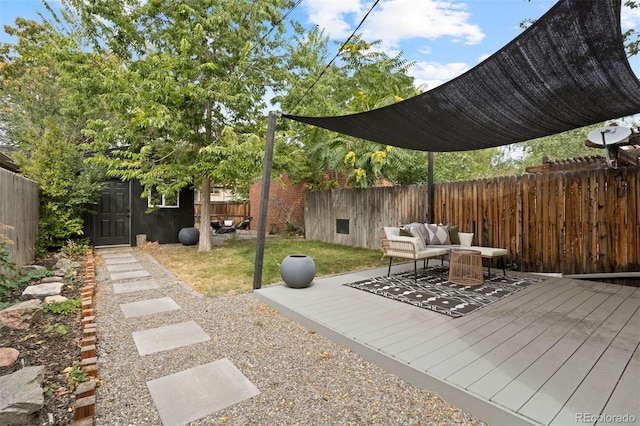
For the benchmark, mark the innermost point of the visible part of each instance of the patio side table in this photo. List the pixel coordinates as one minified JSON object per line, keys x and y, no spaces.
{"x":465,"y":267}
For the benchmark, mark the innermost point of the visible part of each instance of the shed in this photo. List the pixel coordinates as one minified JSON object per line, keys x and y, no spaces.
{"x":120,"y":215}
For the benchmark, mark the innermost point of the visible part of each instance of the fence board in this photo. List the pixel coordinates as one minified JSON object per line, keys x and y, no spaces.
{"x":19,"y":215}
{"x":634,"y":212}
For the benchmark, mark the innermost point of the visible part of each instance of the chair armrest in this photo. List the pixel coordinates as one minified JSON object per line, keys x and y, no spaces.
{"x":405,"y":247}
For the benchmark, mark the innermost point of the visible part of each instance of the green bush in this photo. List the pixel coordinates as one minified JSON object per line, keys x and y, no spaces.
{"x":293,"y":229}
{"x":60,"y":329}
{"x":76,"y":248}
{"x":9,"y":284}
{"x":69,"y":306}
{"x":6,"y":265}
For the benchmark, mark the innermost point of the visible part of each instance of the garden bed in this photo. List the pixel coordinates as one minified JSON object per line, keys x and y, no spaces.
{"x":53,"y":342}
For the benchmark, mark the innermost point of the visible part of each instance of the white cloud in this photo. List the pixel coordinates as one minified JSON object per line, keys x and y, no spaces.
{"x":396,"y":20}
{"x":331,"y":15}
{"x":433,"y":74}
{"x":483,"y":57}
{"x":630,"y":18}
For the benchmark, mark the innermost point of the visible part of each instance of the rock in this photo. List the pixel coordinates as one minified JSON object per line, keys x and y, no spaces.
{"x":51,"y":299}
{"x":8,"y":356}
{"x":21,"y":315}
{"x":27,"y":268}
{"x":21,"y":395}
{"x":40,"y":291}
{"x":65,"y":264}
{"x":51,"y":280}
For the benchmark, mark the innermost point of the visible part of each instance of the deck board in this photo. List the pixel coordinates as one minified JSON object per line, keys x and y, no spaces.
{"x":558,"y":389}
{"x":529,"y":383}
{"x":478,"y":379}
{"x":624,"y":399}
{"x":447,"y":345}
{"x":416,"y":341}
{"x":540,"y":356}
{"x":594,"y":391}
{"x":513,"y":336}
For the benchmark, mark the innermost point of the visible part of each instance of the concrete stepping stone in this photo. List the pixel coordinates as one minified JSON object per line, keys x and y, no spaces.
{"x":116,"y":276}
{"x":148,"y":307}
{"x":121,"y":255}
{"x":122,"y":267}
{"x":192,"y":394}
{"x":131,"y":286}
{"x":120,"y":260}
{"x":169,"y":337}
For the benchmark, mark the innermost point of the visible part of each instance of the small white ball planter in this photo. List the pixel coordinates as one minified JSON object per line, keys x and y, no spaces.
{"x":297,"y":270}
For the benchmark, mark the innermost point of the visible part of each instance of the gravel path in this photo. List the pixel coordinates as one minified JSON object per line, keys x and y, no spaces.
{"x":303,"y":378}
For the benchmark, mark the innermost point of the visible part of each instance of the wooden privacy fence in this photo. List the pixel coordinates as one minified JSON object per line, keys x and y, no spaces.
{"x":19,"y":215}
{"x":224,"y":210}
{"x":569,"y":222}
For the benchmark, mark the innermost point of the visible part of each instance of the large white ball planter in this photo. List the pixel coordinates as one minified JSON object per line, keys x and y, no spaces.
{"x":297,"y":270}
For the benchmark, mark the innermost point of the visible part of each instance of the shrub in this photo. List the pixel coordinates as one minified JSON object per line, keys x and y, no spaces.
{"x":76,"y":248}
{"x":69,"y":306}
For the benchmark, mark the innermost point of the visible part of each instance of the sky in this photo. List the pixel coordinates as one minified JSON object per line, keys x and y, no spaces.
{"x":445,"y":38}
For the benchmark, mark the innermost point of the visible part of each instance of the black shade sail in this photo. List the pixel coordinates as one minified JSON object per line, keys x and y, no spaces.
{"x":568,"y":70}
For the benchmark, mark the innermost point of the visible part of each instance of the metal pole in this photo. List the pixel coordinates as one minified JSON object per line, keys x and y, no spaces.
{"x":430,"y":187}
{"x":264,"y":200}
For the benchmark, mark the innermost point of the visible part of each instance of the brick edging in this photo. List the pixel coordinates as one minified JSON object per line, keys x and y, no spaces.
{"x":84,"y":406}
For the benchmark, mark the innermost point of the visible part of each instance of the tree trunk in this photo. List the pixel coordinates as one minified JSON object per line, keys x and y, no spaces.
{"x":205,"y":217}
{"x":205,"y":202}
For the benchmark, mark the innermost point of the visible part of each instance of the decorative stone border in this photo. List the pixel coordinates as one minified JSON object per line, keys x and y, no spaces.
{"x":85,"y":403}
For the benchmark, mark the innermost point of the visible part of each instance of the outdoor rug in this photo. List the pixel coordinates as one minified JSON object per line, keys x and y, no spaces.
{"x":433,"y":290}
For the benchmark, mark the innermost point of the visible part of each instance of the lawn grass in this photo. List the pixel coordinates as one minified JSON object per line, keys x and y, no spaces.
{"x":228,"y":268}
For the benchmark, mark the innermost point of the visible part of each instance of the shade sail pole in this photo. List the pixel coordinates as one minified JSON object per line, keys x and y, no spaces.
{"x":431,"y":209}
{"x":264,"y":200}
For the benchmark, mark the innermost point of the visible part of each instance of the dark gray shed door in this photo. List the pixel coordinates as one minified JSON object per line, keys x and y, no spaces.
{"x":112,"y":221}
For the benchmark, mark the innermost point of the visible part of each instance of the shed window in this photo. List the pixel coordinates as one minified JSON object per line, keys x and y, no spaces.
{"x":156,"y":199}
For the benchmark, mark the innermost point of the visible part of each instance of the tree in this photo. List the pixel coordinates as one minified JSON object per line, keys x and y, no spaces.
{"x":568,"y":144}
{"x":41,"y":121}
{"x":186,"y":90}
{"x":362,"y":78}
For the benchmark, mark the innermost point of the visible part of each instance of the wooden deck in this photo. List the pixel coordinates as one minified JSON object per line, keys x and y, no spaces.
{"x":557,"y":353}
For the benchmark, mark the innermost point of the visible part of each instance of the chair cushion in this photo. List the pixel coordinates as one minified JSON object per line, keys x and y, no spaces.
{"x":406,"y":232}
{"x":453,"y":234}
{"x":419,"y":230}
{"x":391,"y":231}
{"x":465,"y":238}
{"x":490,"y":251}
{"x":438,"y":234}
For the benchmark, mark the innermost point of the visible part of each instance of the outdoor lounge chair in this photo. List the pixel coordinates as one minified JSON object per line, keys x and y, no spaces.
{"x":244,"y":224}
{"x":395,"y":245}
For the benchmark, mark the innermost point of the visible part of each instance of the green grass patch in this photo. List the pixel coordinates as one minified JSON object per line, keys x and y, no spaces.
{"x":228,"y":268}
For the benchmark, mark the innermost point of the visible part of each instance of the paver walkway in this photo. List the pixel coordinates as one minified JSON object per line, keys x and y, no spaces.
{"x":220,"y":384}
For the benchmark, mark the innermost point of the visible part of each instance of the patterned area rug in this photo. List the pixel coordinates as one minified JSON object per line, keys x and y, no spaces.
{"x":434,"y":291}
